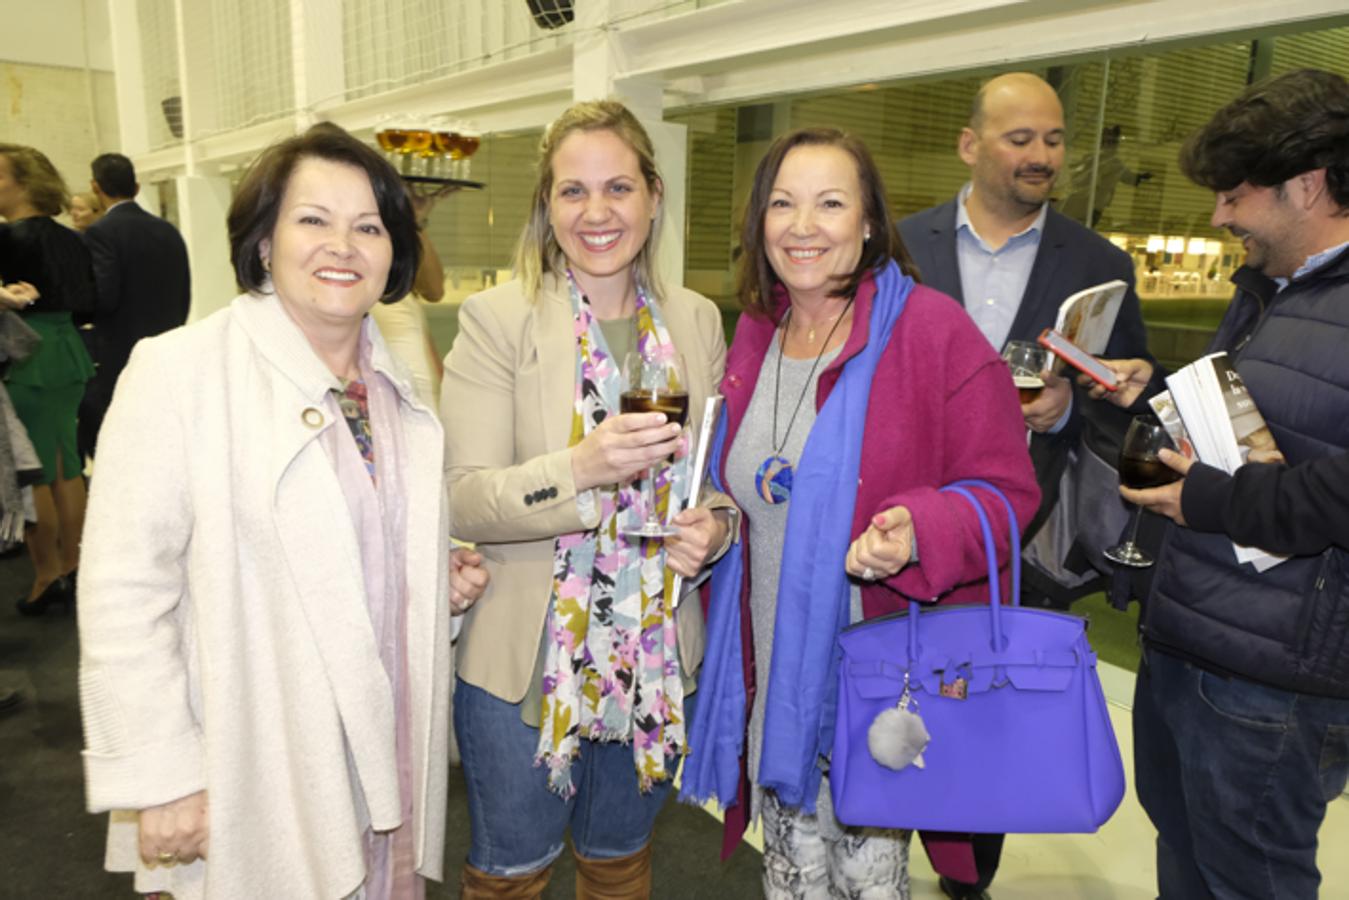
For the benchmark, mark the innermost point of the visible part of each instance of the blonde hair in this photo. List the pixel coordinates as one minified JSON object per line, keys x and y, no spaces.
{"x":90,"y":200}
{"x":538,"y":253}
{"x":35,"y":173}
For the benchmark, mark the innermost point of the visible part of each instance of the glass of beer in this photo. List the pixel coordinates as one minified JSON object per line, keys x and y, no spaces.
{"x":654,"y":379}
{"x":447,"y":145}
{"x":469,"y":142}
{"x":420,"y":145}
{"x":391,"y":141}
{"x":1140,"y":468}
{"x":1028,"y":362}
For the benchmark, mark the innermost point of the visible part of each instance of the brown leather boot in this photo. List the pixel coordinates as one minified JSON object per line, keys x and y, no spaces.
{"x":475,"y":884}
{"x":624,"y":878}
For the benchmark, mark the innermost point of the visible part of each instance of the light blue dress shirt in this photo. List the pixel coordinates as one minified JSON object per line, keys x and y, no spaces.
{"x":1314,"y":262}
{"x":994,"y":281}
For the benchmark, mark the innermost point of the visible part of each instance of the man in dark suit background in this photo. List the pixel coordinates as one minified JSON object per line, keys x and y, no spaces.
{"x":142,"y":281}
{"x":1010,"y":259}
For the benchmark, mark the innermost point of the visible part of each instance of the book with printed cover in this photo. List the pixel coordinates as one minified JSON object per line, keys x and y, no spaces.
{"x":1222,"y":423}
{"x":1087,"y":317}
{"x":1169,"y":416}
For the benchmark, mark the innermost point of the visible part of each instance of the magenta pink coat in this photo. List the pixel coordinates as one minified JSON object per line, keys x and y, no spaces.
{"x":942,"y":408}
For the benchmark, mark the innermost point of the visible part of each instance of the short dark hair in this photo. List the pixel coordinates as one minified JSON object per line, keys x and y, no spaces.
{"x":1275,"y":130}
{"x":115,"y":174}
{"x":756,"y":280}
{"x":257,"y":202}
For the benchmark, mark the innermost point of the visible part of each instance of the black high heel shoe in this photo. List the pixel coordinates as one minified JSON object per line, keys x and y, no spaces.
{"x":59,"y":591}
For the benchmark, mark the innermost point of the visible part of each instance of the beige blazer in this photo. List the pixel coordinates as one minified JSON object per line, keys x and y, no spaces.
{"x":507,"y":403}
{"x":225,"y":639}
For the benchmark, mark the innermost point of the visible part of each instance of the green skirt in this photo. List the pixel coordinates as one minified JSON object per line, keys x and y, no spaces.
{"x":46,"y":389}
{"x":59,"y":360}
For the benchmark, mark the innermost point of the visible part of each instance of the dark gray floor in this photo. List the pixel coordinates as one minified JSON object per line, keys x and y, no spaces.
{"x":49,"y":847}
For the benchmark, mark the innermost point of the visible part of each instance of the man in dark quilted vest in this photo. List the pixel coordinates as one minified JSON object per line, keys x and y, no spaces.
{"x":1241,"y":712}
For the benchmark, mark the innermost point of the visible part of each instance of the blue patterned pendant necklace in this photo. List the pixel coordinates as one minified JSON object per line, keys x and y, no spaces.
{"x":773,"y":479}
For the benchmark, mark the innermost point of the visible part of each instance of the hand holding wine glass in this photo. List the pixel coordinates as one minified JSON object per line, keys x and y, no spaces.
{"x":1164,"y":500}
{"x":1141,"y":468}
{"x":622,"y":447}
{"x":655,"y":383}
{"x":1028,"y":362}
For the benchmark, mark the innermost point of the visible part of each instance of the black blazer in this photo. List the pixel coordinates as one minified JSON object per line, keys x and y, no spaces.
{"x":1071,"y":258}
{"x":142,"y":282}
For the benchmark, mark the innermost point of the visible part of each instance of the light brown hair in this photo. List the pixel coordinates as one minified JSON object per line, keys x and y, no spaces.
{"x":45,"y":188}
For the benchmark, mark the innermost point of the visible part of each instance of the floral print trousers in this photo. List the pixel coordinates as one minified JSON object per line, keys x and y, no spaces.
{"x":814,"y":857}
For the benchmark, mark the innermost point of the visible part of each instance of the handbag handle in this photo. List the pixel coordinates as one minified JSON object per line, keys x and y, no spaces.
{"x":991,"y":552}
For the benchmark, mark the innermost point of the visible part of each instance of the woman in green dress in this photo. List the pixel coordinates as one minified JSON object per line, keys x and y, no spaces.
{"x":47,"y":386}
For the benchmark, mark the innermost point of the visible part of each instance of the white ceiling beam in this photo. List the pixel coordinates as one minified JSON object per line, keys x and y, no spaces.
{"x":732,"y":33}
{"x":524,"y":81}
{"x":715,"y":56}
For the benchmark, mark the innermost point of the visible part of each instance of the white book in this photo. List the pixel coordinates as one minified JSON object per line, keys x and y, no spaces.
{"x":1223,"y":424}
{"x":702,"y":452}
{"x":1087,"y":317}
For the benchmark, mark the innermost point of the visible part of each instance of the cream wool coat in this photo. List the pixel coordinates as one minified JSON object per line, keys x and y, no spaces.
{"x":507,"y":402}
{"x":225,"y":638}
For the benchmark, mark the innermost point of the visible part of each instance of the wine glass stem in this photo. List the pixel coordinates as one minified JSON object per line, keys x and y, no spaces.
{"x":652,"y":517}
{"x":1133,"y":529}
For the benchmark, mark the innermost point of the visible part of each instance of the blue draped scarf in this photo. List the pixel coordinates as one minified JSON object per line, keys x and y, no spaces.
{"x":812,"y":606}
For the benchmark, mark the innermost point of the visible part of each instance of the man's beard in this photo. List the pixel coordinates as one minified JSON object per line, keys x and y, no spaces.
{"x":1258,"y":254}
{"x":1032,"y":195}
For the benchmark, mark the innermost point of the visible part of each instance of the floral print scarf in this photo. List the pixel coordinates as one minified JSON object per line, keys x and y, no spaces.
{"x":611,"y":670}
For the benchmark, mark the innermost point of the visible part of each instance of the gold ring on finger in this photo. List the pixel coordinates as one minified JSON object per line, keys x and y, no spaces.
{"x":167,"y":859}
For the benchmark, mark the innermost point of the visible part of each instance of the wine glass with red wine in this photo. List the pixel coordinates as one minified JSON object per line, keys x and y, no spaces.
{"x":1028,"y":362}
{"x":1139,"y":468}
{"x":655,"y":382}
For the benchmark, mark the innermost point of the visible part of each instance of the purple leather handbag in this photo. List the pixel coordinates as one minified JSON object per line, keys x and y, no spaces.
{"x":1020,"y":739}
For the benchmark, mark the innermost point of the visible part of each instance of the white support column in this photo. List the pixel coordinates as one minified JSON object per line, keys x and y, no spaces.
{"x":597,"y":66}
{"x":203,"y":202}
{"x":129,"y":79}
{"x":196,"y":77}
{"x":317,"y":61}
{"x":671,"y":140}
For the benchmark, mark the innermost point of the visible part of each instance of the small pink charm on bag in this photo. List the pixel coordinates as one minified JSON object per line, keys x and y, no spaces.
{"x":956,"y":690}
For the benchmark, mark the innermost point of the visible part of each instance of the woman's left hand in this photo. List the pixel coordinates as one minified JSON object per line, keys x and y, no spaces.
{"x":884,"y":548}
{"x":468,"y":579}
{"x":701,"y":533}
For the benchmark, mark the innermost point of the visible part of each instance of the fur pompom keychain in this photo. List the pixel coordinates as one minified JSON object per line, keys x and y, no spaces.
{"x":897,"y":736}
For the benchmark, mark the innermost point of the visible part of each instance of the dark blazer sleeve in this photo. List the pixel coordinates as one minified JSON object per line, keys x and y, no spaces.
{"x":1298,"y":510}
{"x":929,"y":236}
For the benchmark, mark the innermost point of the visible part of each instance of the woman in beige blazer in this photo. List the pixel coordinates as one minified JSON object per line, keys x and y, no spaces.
{"x":569,"y":708}
{"x":266,"y":592}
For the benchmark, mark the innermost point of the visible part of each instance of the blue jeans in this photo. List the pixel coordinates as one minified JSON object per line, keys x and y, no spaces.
{"x":517,"y":824}
{"x":1235,"y":776}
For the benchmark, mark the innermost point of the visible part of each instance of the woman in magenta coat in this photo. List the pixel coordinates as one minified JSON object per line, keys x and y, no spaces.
{"x":852,"y":395}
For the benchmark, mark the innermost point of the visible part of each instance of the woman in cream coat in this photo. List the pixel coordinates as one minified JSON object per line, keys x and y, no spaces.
{"x":540,"y":466}
{"x":265,"y":603}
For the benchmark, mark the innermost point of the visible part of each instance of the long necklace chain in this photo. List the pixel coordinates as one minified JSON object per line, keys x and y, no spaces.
{"x":810,"y":379}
